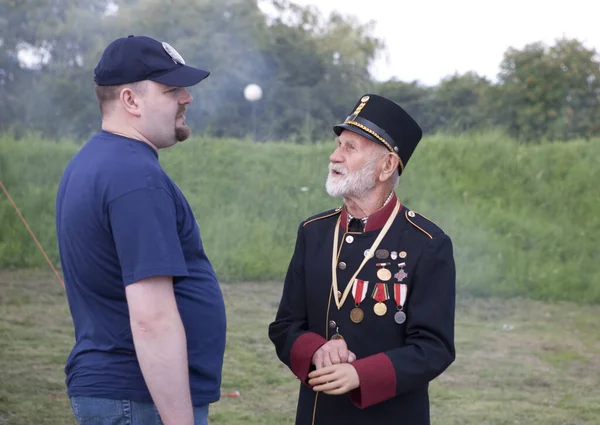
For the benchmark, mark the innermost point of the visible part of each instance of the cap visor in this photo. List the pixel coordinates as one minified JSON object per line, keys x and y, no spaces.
{"x":340,"y":127}
{"x":182,"y":76}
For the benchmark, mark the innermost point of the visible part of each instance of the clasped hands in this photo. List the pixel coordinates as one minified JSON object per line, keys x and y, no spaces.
{"x":334,"y":375}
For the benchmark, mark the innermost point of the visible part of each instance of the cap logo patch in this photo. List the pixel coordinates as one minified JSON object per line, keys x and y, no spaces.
{"x":173,"y":53}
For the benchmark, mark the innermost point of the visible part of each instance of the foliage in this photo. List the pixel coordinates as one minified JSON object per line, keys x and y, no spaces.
{"x":320,"y":65}
{"x":523,"y":218}
{"x":312,"y":69}
{"x":542,"y":93}
{"x":557,"y":90}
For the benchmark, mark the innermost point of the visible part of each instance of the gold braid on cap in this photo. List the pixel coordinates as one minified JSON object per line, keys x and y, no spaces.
{"x":381,"y":139}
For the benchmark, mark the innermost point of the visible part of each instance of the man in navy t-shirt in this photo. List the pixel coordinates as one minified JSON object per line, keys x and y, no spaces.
{"x":147,"y":308}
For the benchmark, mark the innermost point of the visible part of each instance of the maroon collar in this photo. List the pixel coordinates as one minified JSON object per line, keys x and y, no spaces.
{"x":376,"y":220}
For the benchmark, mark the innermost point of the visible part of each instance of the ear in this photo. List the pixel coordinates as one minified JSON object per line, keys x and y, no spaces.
{"x":390,"y":166}
{"x":130,"y":101}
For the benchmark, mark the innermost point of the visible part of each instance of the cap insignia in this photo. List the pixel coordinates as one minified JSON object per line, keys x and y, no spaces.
{"x":363,"y":102}
{"x":173,"y":53}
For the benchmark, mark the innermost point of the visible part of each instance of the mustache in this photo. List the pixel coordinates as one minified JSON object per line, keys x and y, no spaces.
{"x":338,"y":168}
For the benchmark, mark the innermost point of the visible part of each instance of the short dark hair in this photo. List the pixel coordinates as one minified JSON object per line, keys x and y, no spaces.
{"x":108,"y":94}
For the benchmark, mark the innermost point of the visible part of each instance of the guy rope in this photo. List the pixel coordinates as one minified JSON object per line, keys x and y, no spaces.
{"x":31,"y":233}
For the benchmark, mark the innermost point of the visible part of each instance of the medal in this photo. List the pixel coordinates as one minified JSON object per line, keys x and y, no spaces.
{"x":400,"y":290}
{"x":401,"y":275}
{"x":339,"y":297}
{"x":359,"y":292}
{"x":356,"y":315}
{"x":399,"y":317}
{"x":380,"y":309}
{"x":337,"y":334}
{"x":383,"y":273}
{"x":382,"y":254}
{"x":380,"y":294}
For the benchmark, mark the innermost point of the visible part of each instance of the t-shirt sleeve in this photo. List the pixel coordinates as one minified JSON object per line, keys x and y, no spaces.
{"x":144,"y":229}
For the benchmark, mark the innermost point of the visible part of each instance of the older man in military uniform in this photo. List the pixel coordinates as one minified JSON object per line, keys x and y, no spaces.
{"x":366,"y":318}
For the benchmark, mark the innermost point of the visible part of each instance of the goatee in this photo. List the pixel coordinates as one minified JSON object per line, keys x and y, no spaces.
{"x":182,"y":133}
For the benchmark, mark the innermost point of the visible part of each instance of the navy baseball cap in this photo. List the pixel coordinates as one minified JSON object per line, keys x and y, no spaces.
{"x":137,"y":58}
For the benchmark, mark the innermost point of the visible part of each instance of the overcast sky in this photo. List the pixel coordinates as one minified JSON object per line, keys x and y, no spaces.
{"x":430,"y":39}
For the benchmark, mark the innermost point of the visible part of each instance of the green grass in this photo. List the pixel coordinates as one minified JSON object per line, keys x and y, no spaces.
{"x":523,"y":218}
{"x":518,"y":361}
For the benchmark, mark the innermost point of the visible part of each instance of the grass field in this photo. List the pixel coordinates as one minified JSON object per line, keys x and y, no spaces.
{"x":523,"y":218}
{"x":519,"y":361}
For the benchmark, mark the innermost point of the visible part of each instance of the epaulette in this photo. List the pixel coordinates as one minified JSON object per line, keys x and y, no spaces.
{"x":422,"y":223}
{"x":322,"y":215}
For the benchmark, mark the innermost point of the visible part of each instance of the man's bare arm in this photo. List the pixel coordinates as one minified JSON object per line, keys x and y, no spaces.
{"x":161,"y":347}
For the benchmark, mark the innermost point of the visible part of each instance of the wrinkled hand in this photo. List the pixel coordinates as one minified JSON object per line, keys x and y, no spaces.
{"x":332,"y":352}
{"x":334,"y":380}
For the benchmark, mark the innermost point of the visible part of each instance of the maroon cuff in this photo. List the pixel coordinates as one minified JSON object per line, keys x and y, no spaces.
{"x":302,"y":353}
{"x":377,"y":380}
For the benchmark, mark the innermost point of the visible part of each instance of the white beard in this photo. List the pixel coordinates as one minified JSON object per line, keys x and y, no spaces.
{"x":355,"y":184}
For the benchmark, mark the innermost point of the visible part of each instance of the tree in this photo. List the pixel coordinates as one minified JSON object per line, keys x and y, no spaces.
{"x":319,"y":70}
{"x":462,"y":102}
{"x":42,"y":56}
{"x":579,"y":113}
{"x":550,"y":93}
{"x":416,"y":99}
{"x":310,"y":69}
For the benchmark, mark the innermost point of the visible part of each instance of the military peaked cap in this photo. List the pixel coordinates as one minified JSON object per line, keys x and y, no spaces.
{"x":385,"y":122}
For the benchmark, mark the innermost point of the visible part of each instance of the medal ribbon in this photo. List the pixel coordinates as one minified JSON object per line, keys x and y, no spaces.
{"x":359,"y":290}
{"x":380,"y":292}
{"x":388,"y":224}
{"x":400,"y":290}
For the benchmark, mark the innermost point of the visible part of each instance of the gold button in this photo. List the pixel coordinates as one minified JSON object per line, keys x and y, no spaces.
{"x":349,"y":238}
{"x":411,"y":214}
{"x":332,"y":324}
{"x":342,"y":265}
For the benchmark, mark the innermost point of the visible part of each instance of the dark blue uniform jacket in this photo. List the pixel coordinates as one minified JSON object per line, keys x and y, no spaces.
{"x":395,"y":361}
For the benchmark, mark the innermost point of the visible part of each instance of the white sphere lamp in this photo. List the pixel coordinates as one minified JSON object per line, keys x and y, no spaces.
{"x":253,"y":92}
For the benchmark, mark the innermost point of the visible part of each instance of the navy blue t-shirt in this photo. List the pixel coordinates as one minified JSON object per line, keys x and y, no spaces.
{"x":120,"y":219}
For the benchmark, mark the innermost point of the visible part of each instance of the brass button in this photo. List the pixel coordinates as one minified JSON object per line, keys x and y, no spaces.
{"x":332,"y":324}
{"x":342,"y":265}
{"x":349,"y":239}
